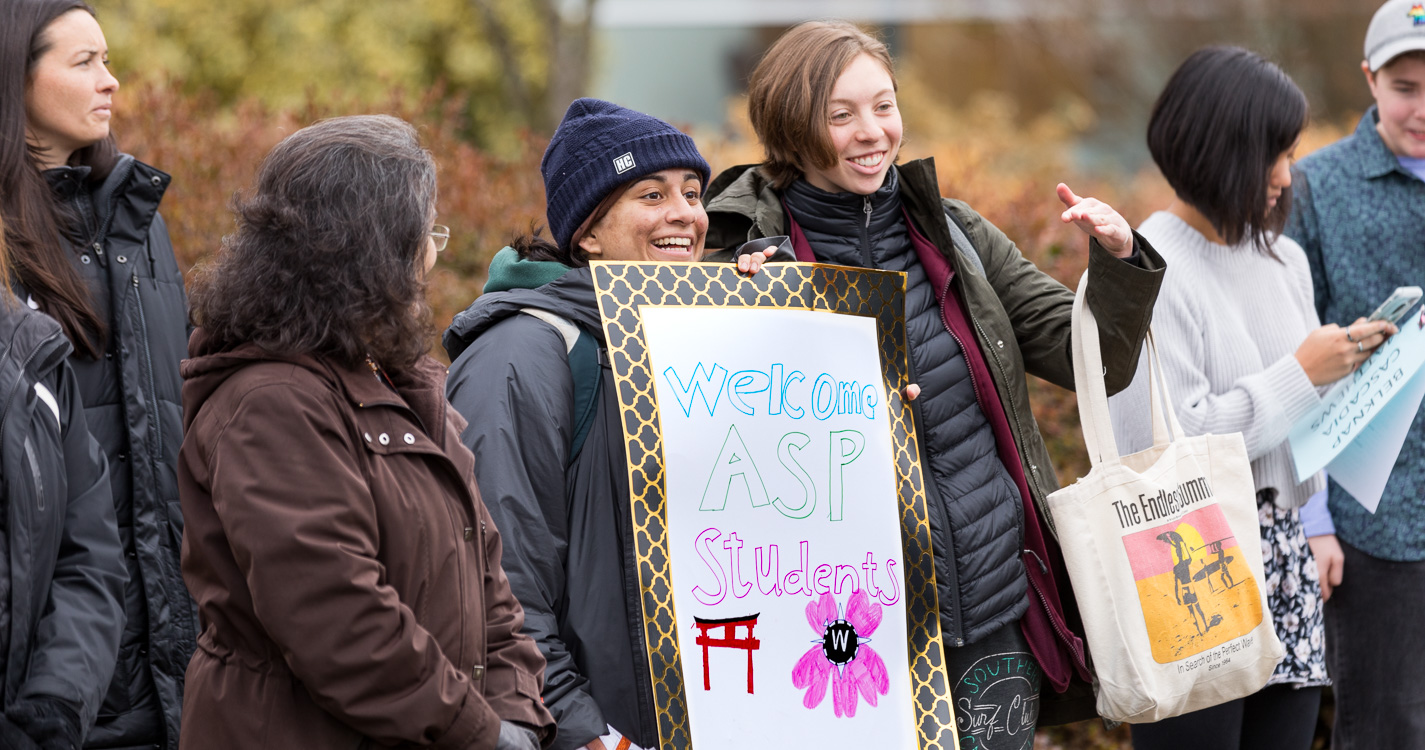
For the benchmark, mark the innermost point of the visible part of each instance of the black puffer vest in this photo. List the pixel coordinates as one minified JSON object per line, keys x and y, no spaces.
{"x":982,"y":505}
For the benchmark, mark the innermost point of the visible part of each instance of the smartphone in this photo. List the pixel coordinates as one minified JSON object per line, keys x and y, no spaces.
{"x":1400,"y":300}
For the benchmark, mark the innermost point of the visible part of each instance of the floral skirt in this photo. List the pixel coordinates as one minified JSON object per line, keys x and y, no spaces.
{"x":1294,"y":595}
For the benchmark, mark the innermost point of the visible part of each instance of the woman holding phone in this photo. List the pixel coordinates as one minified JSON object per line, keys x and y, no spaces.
{"x":1243,"y":351}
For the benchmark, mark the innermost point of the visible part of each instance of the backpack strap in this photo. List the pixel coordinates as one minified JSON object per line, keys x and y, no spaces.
{"x":585,"y":365}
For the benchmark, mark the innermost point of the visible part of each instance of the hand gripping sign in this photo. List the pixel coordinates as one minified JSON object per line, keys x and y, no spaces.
{"x":780,"y":528}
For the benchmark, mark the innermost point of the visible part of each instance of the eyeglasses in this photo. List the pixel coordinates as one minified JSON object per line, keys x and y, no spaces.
{"x":440,"y":235}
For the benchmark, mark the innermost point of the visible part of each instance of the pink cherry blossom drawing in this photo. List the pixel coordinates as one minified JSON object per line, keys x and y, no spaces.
{"x":842,"y":656}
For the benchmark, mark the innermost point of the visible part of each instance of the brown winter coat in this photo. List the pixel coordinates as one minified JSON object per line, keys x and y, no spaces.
{"x":346,"y":572}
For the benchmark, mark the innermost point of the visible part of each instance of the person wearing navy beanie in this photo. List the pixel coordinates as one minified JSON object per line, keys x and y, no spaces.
{"x":544,"y":419}
{"x":600,"y":146}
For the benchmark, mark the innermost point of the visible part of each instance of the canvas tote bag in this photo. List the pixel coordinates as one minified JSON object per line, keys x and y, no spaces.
{"x":1164,"y":553}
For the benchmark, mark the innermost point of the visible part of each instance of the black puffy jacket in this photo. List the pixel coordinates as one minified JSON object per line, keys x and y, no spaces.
{"x":61,"y":575}
{"x":134,"y":408}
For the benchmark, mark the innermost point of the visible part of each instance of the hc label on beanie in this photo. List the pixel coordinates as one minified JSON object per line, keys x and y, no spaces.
{"x":624,"y":163}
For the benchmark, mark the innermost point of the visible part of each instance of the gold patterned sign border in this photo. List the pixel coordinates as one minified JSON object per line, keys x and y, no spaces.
{"x":624,"y":288}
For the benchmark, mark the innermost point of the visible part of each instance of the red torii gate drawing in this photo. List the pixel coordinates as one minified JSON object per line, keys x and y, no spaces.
{"x":729,"y":639}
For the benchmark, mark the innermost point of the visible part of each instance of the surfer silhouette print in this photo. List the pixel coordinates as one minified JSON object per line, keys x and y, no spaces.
{"x":1196,"y":592}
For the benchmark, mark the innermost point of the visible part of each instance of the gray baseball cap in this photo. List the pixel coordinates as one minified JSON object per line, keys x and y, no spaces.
{"x":1398,"y":27}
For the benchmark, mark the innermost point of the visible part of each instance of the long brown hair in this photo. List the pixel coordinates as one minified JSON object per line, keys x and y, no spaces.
{"x":6,"y":297}
{"x":33,"y":218}
{"x":788,"y":92}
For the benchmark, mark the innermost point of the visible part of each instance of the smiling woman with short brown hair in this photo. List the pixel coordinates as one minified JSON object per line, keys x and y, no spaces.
{"x":978,"y":317}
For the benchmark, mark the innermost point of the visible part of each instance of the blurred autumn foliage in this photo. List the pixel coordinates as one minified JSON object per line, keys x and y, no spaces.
{"x":213,"y":152}
{"x":504,"y":64}
{"x":985,"y":153}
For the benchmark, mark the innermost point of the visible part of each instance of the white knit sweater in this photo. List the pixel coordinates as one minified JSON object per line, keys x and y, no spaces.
{"x":1227,"y":323}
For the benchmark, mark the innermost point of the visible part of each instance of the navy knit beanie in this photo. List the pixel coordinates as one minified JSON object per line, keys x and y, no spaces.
{"x":600,"y":146}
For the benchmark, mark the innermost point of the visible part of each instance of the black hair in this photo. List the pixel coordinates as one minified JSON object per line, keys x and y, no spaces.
{"x":533,"y":245}
{"x":1222,"y":121}
{"x":327,"y":258}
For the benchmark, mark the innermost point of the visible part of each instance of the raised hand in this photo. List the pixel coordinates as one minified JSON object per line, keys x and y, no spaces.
{"x":1098,"y":220}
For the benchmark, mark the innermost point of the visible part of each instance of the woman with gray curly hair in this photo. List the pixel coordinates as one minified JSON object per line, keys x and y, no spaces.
{"x":346,"y":571}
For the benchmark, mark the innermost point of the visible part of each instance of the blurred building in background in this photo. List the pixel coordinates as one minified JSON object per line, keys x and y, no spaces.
{"x":1099,"y":63}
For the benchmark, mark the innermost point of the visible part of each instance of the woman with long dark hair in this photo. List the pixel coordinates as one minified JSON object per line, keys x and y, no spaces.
{"x":347,"y":572}
{"x":978,"y":317}
{"x":90,"y":250}
{"x":1243,"y":351}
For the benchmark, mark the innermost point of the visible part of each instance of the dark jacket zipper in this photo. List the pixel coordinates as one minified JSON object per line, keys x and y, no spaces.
{"x":866,"y":256}
{"x":35,"y":471}
{"x":84,"y":205}
{"x":152,"y":394}
{"x":24,"y":367}
{"x":1033,"y":477}
{"x":1068,"y":639}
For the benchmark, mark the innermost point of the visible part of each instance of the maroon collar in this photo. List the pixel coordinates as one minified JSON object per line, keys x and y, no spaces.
{"x":799,"y":240}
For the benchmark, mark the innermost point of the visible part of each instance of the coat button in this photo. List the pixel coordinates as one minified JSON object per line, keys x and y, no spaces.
{"x":1000,"y":343}
{"x":477,"y":672}
{"x":469,"y":533}
{"x":366,"y":435}
{"x":410,"y":439}
{"x":384,"y":439}
{"x":85,"y":259}
{"x":156,"y":180}
{"x":123,"y":259}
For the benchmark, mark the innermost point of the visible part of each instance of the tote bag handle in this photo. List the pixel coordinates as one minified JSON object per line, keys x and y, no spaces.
{"x":1092,"y":394}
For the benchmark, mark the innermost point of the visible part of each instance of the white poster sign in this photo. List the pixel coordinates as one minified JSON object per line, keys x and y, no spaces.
{"x":1359,"y":429}
{"x":784,"y":528}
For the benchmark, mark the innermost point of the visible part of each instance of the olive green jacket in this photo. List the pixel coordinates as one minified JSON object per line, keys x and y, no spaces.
{"x":1021,"y":315}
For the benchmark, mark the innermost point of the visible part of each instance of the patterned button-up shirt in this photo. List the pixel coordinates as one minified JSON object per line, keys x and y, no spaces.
{"x":1360,"y":216}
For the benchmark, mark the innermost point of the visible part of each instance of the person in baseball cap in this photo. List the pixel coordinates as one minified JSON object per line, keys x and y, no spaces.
{"x":1357,"y":212}
{"x":1398,"y":27}
{"x":1395,"y":70}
